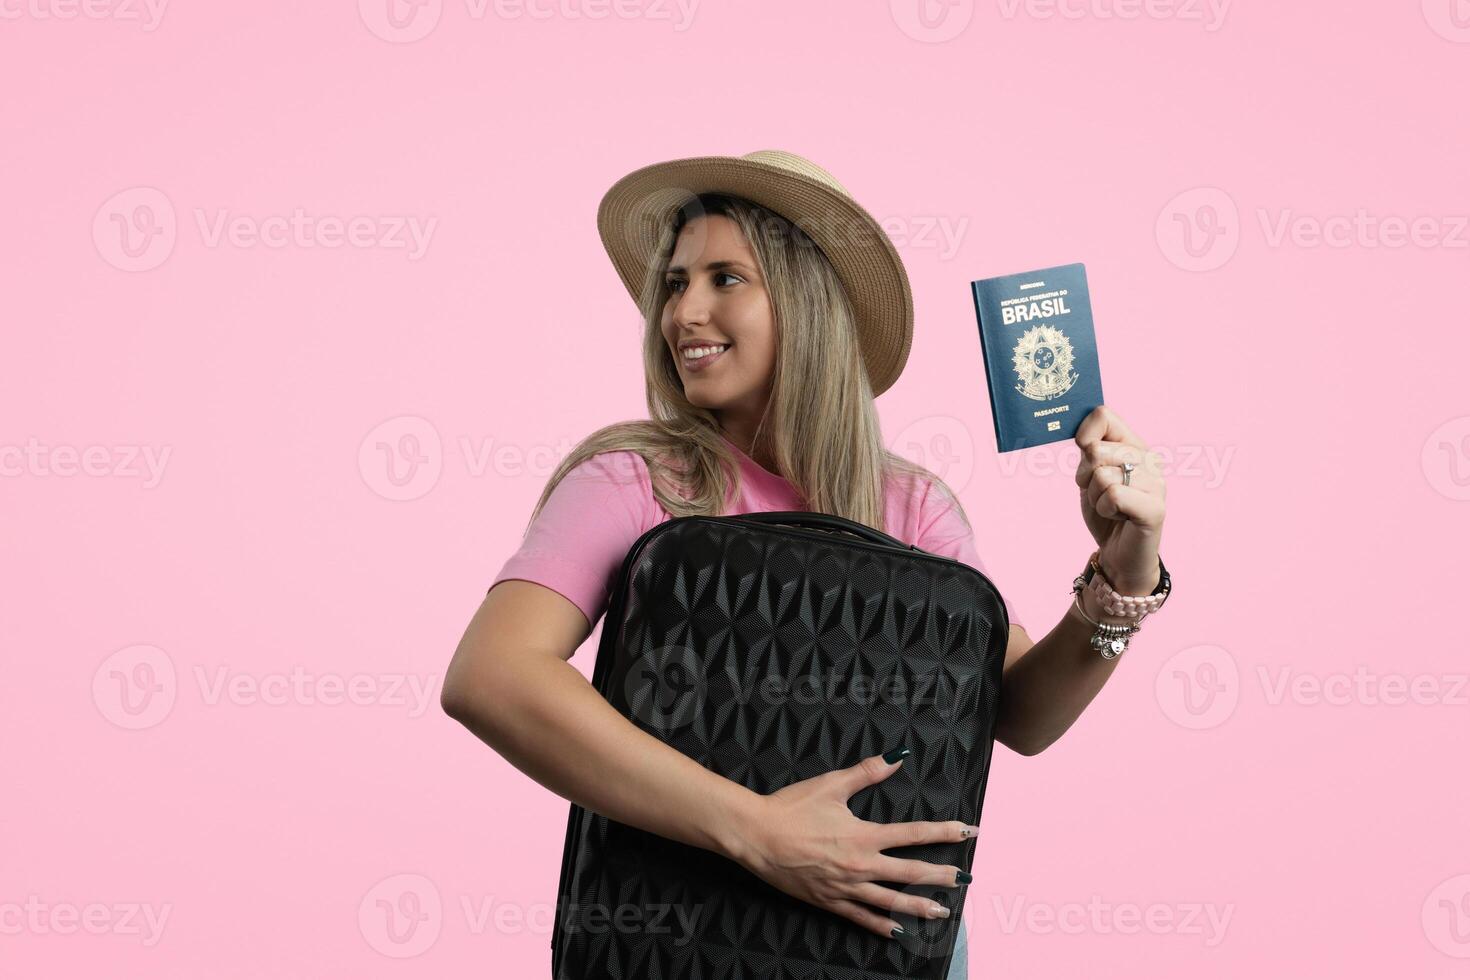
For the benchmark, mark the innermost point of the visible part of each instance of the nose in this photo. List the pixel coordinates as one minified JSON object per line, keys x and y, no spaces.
{"x":691,"y":307}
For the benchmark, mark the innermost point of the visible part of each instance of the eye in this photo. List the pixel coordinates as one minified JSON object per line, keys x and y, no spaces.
{"x":675,"y":283}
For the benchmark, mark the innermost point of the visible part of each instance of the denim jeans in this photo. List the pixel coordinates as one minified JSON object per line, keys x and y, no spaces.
{"x":959,"y":963}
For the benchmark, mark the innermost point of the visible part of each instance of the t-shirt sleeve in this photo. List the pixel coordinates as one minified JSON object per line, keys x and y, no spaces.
{"x":943,"y":531}
{"x":577,"y":542}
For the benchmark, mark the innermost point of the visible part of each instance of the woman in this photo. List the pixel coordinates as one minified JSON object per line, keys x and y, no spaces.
{"x":776,"y":311}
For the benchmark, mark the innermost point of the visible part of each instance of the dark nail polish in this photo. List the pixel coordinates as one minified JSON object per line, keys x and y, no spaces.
{"x":963,"y":878}
{"x":897,"y":931}
{"x":893,"y":755}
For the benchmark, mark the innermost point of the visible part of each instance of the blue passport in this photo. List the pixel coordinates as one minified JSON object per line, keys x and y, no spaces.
{"x":1040,"y":354}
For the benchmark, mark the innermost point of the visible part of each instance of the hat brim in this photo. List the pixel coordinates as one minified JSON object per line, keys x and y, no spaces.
{"x":636,"y":208}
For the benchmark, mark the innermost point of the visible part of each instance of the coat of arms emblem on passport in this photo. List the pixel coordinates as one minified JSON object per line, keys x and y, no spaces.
{"x":1040,"y":351}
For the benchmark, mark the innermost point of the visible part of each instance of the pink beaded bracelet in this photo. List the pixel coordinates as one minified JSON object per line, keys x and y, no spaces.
{"x":1117,"y":604}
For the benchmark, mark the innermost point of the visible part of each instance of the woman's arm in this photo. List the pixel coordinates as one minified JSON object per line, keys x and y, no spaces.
{"x":511,"y":685}
{"x":1047,"y":685}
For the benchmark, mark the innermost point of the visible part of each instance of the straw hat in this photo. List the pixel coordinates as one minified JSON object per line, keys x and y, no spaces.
{"x":634,"y":210}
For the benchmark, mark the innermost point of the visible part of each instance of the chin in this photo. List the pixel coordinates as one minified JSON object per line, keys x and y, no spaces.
{"x":704,"y":400}
{"x":701,"y":394}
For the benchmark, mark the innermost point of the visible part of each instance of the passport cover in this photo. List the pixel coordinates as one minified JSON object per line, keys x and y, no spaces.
{"x":1040,"y":353}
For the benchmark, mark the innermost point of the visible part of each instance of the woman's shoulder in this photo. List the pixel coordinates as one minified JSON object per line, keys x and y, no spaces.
{"x":640,"y":459}
{"x":612,"y":454}
{"x":922,"y":498}
{"x":621,"y":468}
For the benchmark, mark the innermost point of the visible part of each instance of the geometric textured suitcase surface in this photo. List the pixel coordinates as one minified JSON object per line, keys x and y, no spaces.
{"x":773,"y":647}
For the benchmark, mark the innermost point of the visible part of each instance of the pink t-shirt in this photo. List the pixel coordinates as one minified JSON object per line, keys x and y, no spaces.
{"x":577,"y":543}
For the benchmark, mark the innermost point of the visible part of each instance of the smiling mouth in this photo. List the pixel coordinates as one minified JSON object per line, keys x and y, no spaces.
{"x":708,"y":356}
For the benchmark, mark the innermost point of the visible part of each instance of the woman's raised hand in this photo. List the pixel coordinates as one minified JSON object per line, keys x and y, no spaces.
{"x":804,"y":840}
{"x":1125,"y":521}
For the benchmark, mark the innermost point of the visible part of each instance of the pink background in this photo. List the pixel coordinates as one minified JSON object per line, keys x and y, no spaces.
{"x":348,"y":440}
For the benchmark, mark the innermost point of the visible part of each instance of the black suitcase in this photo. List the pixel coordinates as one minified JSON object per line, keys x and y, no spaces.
{"x":772,"y":647}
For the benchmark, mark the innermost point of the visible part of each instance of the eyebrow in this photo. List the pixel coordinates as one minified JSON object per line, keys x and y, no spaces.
{"x":711,"y":266}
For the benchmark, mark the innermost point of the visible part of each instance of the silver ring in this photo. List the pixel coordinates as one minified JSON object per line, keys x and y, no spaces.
{"x":1127,"y":473}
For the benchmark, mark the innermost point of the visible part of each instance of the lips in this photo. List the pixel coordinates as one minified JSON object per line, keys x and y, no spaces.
{"x":702,"y":363}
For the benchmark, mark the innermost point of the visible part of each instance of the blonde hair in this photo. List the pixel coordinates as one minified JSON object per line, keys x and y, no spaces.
{"x":820,"y":421}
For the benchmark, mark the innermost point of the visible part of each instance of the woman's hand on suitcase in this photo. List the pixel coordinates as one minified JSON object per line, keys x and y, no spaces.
{"x":804,"y":840}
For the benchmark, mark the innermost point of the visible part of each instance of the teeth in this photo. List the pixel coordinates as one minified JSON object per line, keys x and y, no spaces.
{"x":694,"y":353}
